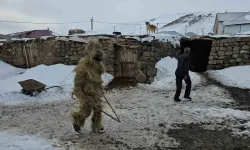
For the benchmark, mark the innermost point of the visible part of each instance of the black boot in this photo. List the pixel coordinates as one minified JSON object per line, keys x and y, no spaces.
{"x":177,"y":99}
{"x":188,"y":97}
{"x":102,"y":130}
{"x":77,"y":128}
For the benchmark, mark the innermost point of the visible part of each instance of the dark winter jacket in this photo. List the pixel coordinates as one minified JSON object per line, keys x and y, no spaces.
{"x":183,"y":65}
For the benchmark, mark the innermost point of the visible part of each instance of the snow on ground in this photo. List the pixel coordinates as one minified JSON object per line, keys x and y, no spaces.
{"x":24,"y":142}
{"x":165,"y":78}
{"x":233,"y":76}
{"x":54,"y":75}
{"x":139,"y":28}
{"x":204,"y":25}
{"x":140,"y":109}
{"x":8,"y":70}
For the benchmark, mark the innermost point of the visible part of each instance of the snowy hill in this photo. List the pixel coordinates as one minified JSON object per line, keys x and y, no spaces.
{"x":195,"y":22}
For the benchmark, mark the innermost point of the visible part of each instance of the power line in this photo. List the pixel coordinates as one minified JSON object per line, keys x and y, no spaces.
{"x":118,"y":23}
{"x":41,"y":22}
{"x":29,"y":22}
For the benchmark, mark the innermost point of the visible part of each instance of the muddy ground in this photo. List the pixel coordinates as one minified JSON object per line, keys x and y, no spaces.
{"x":151,"y":120}
{"x":194,"y":136}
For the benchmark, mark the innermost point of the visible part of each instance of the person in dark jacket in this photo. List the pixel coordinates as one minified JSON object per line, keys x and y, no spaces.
{"x":182,"y":72}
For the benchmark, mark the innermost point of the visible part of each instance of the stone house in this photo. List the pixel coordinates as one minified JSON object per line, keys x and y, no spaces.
{"x":231,"y":23}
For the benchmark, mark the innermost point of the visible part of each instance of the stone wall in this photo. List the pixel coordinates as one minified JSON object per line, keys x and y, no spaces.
{"x":229,"y":52}
{"x":68,"y":51}
{"x":26,"y":54}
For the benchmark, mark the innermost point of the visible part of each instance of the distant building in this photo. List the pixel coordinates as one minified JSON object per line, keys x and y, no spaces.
{"x":76,"y":31}
{"x":231,"y":23}
{"x":32,"y":34}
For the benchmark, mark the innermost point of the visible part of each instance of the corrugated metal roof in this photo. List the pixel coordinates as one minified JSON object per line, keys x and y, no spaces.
{"x":231,"y":18}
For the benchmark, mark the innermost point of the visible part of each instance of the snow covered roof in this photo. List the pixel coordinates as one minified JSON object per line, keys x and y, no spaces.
{"x":33,"y":33}
{"x":244,"y":33}
{"x":231,"y":18}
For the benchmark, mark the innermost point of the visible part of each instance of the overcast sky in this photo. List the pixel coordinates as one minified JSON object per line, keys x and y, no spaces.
{"x":102,"y":10}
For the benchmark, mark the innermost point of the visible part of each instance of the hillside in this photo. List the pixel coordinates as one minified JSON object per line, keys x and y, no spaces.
{"x":169,"y":22}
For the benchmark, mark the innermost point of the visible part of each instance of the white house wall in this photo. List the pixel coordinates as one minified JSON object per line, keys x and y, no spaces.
{"x":245,"y":27}
{"x":220,"y":28}
{"x":236,"y":29}
{"x":231,"y":29}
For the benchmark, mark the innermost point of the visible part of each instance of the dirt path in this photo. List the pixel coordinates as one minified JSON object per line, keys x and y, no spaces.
{"x":240,"y":96}
{"x":150,"y":120}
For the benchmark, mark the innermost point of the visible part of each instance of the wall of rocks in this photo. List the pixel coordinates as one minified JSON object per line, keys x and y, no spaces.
{"x":30,"y":53}
{"x":68,"y":51}
{"x":229,"y":52}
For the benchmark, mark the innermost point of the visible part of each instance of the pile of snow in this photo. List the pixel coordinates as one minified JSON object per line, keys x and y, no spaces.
{"x":8,"y":70}
{"x":106,"y":78}
{"x":50,"y":75}
{"x":165,"y":78}
{"x":175,"y":40}
{"x":233,"y":76}
{"x":14,"y":142}
{"x":54,"y":75}
{"x":242,"y":34}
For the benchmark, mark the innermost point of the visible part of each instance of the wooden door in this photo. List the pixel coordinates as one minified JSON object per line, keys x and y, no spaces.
{"x":126,"y":60}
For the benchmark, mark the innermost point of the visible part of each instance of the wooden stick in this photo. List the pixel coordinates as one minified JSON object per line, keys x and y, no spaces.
{"x":116,"y":119}
{"x":51,"y":87}
{"x":111,"y":107}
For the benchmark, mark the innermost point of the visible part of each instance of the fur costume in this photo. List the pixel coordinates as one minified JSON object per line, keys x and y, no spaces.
{"x":88,"y":87}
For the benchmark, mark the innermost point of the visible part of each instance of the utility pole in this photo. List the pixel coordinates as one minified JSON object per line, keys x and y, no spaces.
{"x":114,"y":29}
{"x":185,"y":30}
{"x":203,"y":31}
{"x":157,"y":28}
{"x":91,"y":20}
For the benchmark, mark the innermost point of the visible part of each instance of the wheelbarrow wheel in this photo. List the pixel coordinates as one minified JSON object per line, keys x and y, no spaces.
{"x":25,"y":92}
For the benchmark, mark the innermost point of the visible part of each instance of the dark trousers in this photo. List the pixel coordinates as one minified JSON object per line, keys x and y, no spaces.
{"x":179,"y":86}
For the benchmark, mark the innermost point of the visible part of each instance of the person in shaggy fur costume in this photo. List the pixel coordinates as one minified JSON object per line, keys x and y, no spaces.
{"x":88,"y":88}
